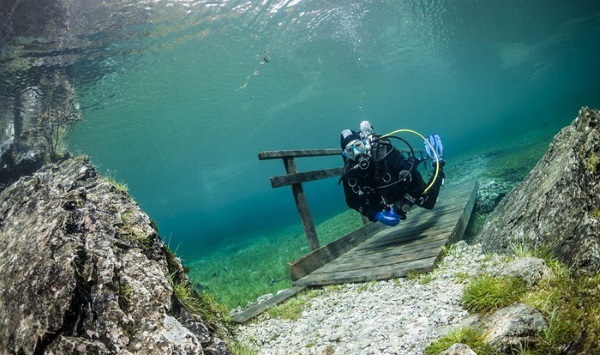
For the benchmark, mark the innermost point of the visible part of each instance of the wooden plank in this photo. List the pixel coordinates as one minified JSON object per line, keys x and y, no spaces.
{"x":408,"y":235}
{"x":256,"y":309}
{"x":381,"y":273}
{"x":376,"y":272}
{"x":302,"y":205}
{"x":316,"y":259}
{"x":298,"y":153}
{"x":463,"y":221}
{"x":380,"y":244}
{"x":343,"y":265}
{"x":285,"y":180}
{"x":364,"y":256}
{"x":301,"y":153}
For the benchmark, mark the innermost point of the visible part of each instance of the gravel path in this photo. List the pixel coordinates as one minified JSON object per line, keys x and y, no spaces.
{"x":400,"y":316}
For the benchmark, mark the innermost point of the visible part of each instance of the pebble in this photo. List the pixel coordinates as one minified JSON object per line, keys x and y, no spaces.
{"x":399,"y":316}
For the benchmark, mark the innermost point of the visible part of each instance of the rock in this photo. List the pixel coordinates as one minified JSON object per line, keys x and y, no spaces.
{"x":474,"y":321}
{"x":531,"y":270}
{"x":557,"y":206}
{"x":513,"y":327}
{"x":82,"y":270}
{"x":458,"y":349}
{"x":490,"y":194}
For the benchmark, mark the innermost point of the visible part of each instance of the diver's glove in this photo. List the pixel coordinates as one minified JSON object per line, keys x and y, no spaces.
{"x":389,"y":218}
{"x":436,"y":142}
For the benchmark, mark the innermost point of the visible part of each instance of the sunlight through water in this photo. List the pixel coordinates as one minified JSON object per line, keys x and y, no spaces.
{"x":179,"y":97}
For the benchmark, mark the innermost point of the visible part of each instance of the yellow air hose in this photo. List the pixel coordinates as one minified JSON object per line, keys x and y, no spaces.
{"x":437,"y":162}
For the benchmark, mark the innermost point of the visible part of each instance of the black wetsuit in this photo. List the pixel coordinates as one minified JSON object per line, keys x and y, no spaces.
{"x":391,"y":180}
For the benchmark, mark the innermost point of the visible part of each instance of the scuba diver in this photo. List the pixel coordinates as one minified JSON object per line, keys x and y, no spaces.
{"x":382,"y":183}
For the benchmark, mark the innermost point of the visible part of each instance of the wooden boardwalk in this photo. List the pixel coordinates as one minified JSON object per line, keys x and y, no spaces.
{"x":414,"y":245}
{"x":377,"y":252}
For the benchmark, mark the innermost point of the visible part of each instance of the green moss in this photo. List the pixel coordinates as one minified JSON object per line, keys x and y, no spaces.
{"x":329,"y":350}
{"x":596,"y":213}
{"x":469,"y":336}
{"x":446,"y":249}
{"x":143,"y":240}
{"x":485,"y":293}
{"x":592,"y":163}
{"x":154,"y":225}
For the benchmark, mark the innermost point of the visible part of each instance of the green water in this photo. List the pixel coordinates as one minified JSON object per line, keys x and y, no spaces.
{"x":179,"y":109}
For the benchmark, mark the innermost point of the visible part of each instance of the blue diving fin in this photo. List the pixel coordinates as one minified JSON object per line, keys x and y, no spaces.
{"x":436,"y":142}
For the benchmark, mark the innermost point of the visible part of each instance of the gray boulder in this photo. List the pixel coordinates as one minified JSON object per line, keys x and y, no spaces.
{"x":557,"y":206}
{"x":514,"y":327}
{"x":490,"y":194}
{"x":82,"y":270}
{"x":509,"y":328}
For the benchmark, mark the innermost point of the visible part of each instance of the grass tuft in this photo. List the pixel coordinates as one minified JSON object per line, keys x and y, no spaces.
{"x":365,"y":286}
{"x":469,"y":336}
{"x":485,"y":294}
{"x":572,"y":308}
{"x":426,"y":278}
{"x":293,"y":307}
{"x":199,"y":303}
{"x":237,"y":348}
{"x":571,"y":305}
{"x":124,"y":293}
{"x":112,"y":180}
{"x":522,"y":251}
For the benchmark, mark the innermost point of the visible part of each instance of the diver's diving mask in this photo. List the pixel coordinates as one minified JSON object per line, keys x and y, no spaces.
{"x":354,"y":149}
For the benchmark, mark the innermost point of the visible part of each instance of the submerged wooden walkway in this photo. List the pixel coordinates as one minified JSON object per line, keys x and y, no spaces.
{"x":414,"y":245}
{"x":376,"y":252}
